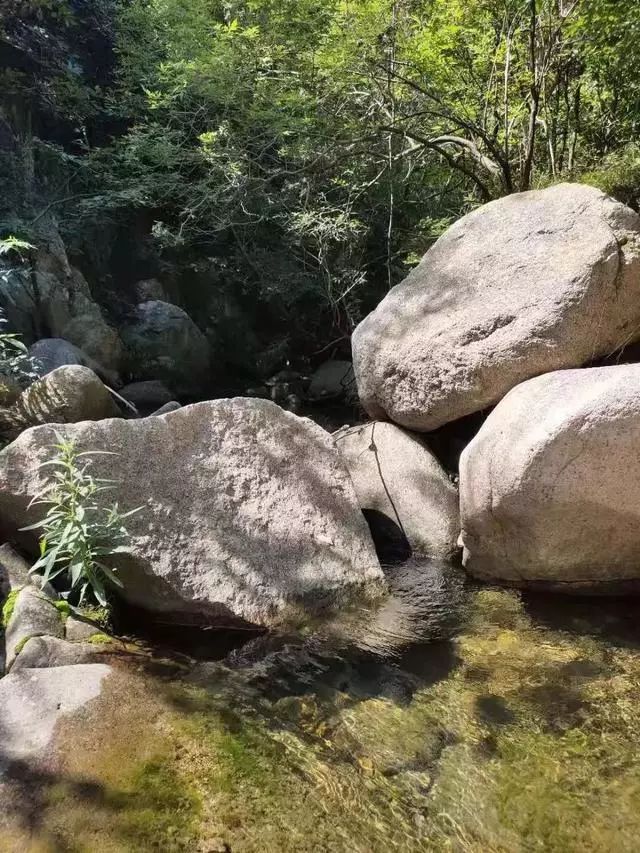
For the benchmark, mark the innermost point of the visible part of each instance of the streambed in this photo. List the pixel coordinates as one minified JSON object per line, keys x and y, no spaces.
{"x":451,"y":717}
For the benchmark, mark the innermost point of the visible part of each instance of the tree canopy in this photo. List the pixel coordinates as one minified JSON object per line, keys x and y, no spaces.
{"x":298,"y":155}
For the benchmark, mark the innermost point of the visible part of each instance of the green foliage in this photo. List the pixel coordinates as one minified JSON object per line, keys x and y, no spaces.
{"x":15,"y":361}
{"x":14,"y":246}
{"x":100,"y":639}
{"x":64,"y":609}
{"x":285,"y":162}
{"x":78,"y":534}
{"x":618,"y":175}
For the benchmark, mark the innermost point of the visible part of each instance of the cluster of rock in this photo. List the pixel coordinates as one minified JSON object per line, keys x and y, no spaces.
{"x":50,"y":305}
{"x":250,"y":512}
{"x":498,"y":312}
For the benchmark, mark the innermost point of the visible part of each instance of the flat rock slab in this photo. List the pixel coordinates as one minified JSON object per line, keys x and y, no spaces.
{"x":32,"y":701}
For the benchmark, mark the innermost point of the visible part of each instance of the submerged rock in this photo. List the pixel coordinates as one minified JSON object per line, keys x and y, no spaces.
{"x":33,"y":701}
{"x":550,"y":486}
{"x":247,"y":510}
{"x":394,"y":473}
{"x":508,"y":292}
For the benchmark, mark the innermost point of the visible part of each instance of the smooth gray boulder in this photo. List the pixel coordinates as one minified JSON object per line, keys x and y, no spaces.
{"x":531,"y":283}
{"x":248,"y":511}
{"x":66,"y":395}
{"x":550,"y":486}
{"x":164,"y":343}
{"x":33,"y":615}
{"x":333,"y":380}
{"x":43,"y":652}
{"x":395,"y":474}
{"x":34,"y":701}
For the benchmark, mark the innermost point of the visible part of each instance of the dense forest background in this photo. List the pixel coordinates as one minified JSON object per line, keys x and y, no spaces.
{"x":279,"y":164}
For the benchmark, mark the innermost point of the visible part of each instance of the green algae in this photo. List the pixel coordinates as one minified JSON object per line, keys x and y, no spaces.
{"x":525,"y":741}
{"x":100,"y":639}
{"x":9,"y":606}
{"x":64,"y":609}
{"x":22,"y":643}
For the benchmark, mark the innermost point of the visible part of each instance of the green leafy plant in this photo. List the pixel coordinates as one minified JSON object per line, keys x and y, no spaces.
{"x":14,"y":246}
{"x":78,"y":533}
{"x":15,"y":360}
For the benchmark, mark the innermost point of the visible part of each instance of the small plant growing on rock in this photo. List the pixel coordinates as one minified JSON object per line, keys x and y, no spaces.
{"x":78,"y":533}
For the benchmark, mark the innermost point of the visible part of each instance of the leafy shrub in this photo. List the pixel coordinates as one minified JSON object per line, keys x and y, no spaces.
{"x":14,"y":246}
{"x":15,"y":361}
{"x":618,"y":175}
{"x":77,"y":532}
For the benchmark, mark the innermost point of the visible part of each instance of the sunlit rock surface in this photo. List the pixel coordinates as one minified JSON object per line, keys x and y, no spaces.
{"x":529,"y":283}
{"x":247,"y":511}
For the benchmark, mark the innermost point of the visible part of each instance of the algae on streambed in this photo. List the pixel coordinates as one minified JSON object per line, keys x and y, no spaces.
{"x":518,"y":731}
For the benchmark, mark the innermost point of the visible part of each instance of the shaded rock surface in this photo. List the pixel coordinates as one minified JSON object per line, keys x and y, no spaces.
{"x":79,"y":628}
{"x":42,"y":652}
{"x":550,"y":486}
{"x":510,"y":291}
{"x":333,"y":380}
{"x":164,"y":343}
{"x":248,"y":510}
{"x":395,"y":474}
{"x":147,"y":396}
{"x":33,"y":615}
{"x":54,"y":300}
{"x":66,"y":395}
{"x":51,"y":353}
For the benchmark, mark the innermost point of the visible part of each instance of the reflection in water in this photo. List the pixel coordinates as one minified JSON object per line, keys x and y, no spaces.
{"x":450,"y":717}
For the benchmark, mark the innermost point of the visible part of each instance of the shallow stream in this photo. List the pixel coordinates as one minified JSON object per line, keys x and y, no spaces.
{"x":451,"y":717}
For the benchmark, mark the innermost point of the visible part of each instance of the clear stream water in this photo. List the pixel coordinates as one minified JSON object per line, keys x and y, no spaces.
{"x":448,"y":717}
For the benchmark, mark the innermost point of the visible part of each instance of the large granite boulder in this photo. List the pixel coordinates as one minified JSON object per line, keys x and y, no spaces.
{"x":395,"y":474}
{"x":164,"y":343}
{"x":248,"y":510}
{"x":530,"y":283}
{"x":550,"y":486}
